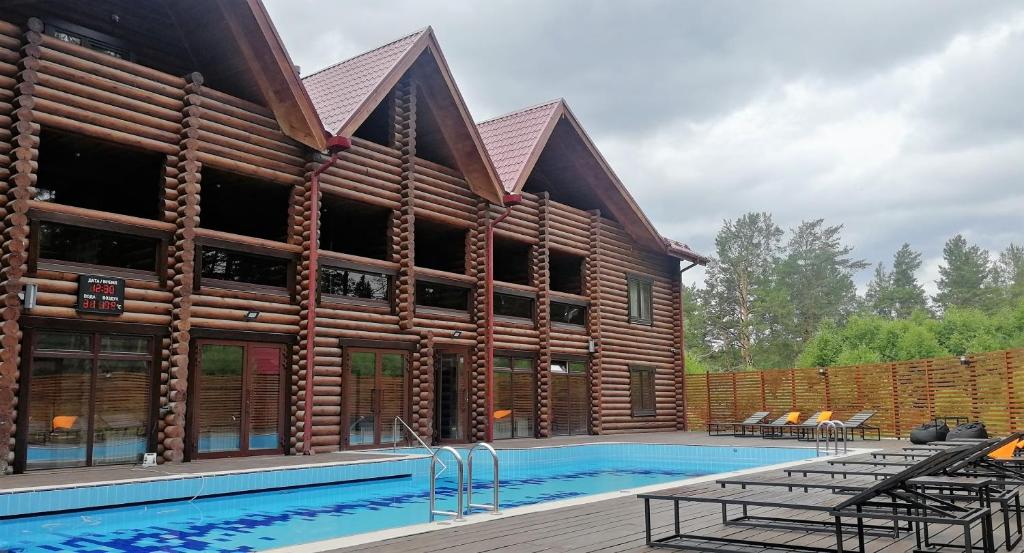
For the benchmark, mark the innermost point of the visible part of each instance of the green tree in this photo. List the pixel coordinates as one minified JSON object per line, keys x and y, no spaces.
{"x":1009,"y":273}
{"x":878,"y":298}
{"x":907,"y":295}
{"x":740,"y":274}
{"x":964,"y":280}
{"x":818,"y":275}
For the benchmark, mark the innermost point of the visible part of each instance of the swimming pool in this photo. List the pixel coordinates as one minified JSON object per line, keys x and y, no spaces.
{"x":265,"y":520}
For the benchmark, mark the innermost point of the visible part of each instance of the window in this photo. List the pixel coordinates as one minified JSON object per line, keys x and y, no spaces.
{"x":88,"y":399}
{"x":640,"y":300}
{"x":510,"y":305}
{"x":84,"y":172}
{"x":232,"y":266}
{"x":440,"y":247}
{"x":513,"y":397}
{"x":59,"y":242}
{"x":351,"y":283}
{"x":355,"y":228}
{"x":568,"y":313}
{"x":244,"y":205}
{"x":444,"y":296}
{"x":82,"y":36}
{"x":566,"y":273}
{"x":641,"y":391}
{"x":511,"y":261}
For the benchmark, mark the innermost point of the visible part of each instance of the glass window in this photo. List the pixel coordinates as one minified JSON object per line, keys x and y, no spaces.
{"x":641,"y":391}
{"x":235,"y":266}
{"x":445,"y":296}
{"x":125,"y":344}
{"x":71,"y":421}
{"x":63,"y":341}
{"x":640,"y":301}
{"x":59,"y":242}
{"x":568,"y":313}
{"x":508,"y":305}
{"x":350,"y":283}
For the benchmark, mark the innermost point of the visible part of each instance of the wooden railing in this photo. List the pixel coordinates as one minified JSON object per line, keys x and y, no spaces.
{"x":988,"y":387}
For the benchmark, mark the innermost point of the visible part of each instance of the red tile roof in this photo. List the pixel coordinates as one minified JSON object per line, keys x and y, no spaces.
{"x":341,"y":89}
{"x":512,"y":138}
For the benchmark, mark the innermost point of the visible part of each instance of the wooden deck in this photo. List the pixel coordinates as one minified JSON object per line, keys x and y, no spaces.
{"x":617,"y":525}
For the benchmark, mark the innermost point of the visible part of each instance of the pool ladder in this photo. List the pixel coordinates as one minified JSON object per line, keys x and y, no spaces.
{"x":458,"y":514}
{"x":833,"y":431}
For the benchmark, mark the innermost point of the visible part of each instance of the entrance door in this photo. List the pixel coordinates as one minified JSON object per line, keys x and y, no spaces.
{"x":376,"y":391}
{"x":239,"y":400}
{"x":570,"y":398}
{"x":88,"y":399}
{"x":450,"y":401}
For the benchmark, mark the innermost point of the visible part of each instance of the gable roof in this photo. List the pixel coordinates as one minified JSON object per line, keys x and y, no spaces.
{"x":275,"y":75}
{"x":346,"y":93}
{"x":515,"y":142}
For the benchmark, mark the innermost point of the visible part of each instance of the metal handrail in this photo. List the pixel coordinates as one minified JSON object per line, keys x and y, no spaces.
{"x":456,"y":515}
{"x":394,"y":445}
{"x":833,"y":432}
{"x":469,"y":483}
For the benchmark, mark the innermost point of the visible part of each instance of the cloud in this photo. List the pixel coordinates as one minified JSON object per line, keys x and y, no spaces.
{"x":902,"y":121}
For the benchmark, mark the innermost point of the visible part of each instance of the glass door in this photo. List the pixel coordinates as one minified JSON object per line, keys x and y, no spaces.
{"x":239,"y":399}
{"x":570,"y":398}
{"x":376,"y":391}
{"x":88,"y":399}
{"x":450,"y":397}
{"x":513,"y":397}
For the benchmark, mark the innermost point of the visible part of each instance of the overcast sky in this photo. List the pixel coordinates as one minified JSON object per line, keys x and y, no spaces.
{"x":901,"y":120}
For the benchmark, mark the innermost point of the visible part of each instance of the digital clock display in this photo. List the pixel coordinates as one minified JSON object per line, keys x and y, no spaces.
{"x":100,"y":295}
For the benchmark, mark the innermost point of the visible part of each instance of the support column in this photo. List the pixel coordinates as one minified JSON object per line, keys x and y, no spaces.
{"x":423,"y":388}
{"x":183,"y":281}
{"x":169,"y":207}
{"x":18,"y":190}
{"x":477,"y":248}
{"x":405,"y":283}
{"x":593,"y":291}
{"x":678,"y":346}
{"x":540,"y":266}
{"x":301,"y":233}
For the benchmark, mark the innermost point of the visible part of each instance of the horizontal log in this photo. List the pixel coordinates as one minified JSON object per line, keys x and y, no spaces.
{"x":106,"y":60}
{"x":108,"y":98}
{"x":243,"y":326}
{"x":130,"y":306}
{"x":111,"y":135}
{"x":71,"y":287}
{"x":109,"y":69}
{"x":345,"y":193}
{"x":238,"y":103}
{"x":270,"y":245}
{"x":107,"y":85}
{"x":232,"y":303}
{"x":225,"y":314}
{"x":112,"y":111}
{"x":69,"y":313}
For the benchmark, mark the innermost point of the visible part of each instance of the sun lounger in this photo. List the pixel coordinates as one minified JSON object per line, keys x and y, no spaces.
{"x":738,"y":429}
{"x":778,"y":424}
{"x":860,"y":422}
{"x":891,"y":499}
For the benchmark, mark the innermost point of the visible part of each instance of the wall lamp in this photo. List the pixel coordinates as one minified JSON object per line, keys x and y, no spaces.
{"x":251,"y":315}
{"x":822,"y":371}
{"x":29,"y":296}
{"x":965,"y":361}
{"x":456,"y":333}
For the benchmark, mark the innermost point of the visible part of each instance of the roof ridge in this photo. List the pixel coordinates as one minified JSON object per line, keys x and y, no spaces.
{"x":381,"y":47}
{"x":521,"y":111}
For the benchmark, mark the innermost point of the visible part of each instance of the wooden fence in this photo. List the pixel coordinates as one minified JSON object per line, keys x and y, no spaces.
{"x":989,"y":388}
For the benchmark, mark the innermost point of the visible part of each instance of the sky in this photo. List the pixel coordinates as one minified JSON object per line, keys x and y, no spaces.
{"x":900,"y":120}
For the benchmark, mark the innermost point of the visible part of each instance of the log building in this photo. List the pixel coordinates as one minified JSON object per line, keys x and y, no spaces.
{"x":194,"y":266}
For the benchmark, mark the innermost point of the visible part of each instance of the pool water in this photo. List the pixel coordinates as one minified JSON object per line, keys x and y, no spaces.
{"x":265,"y":520}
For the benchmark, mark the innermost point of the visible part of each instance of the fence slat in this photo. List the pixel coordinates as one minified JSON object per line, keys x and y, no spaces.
{"x":989,"y":388}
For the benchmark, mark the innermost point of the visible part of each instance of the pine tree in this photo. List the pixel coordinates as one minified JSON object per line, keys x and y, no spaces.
{"x":879,"y":293}
{"x":741,"y":273}
{"x":964,"y":280}
{"x":907,"y":295}
{"x":818,"y":274}
{"x":1009,"y":273}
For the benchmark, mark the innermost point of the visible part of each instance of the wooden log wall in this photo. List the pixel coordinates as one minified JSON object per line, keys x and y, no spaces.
{"x":624,"y":344}
{"x":593,"y":289}
{"x":990,"y":388}
{"x":19,"y":75}
{"x":540,"y":268}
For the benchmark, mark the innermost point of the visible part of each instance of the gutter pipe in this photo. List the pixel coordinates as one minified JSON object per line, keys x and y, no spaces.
{"x":509,"y":200}
{"x":335,"y":145}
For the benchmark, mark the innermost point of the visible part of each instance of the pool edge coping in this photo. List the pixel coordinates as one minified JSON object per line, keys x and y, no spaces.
{"x":323,"y":546}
